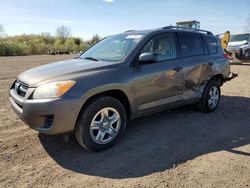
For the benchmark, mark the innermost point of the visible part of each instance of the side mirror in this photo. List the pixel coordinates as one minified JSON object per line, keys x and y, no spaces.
{"x":147,"y":58}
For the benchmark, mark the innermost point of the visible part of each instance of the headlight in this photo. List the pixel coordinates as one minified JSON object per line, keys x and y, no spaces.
{"x":52,"y":90}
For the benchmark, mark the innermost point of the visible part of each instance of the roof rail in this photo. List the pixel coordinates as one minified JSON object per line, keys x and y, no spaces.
{"x":188,"y":29}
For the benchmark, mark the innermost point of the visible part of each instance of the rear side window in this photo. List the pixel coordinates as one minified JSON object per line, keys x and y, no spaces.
{"x":212,"y":44}
{"x":191,"y":44}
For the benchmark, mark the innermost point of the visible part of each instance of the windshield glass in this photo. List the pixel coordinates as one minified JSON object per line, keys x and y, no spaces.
{"x":113,"y":48}
{"x":239,"y":37}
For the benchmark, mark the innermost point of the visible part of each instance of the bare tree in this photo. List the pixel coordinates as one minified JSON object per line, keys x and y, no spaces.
{"x":77,"y":41}
{"x":63,"y":32}
{"x":47,"y":38}
{"x":96,"y":38}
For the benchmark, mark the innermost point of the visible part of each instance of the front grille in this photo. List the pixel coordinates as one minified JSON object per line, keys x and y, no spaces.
{"x":20,"y":88}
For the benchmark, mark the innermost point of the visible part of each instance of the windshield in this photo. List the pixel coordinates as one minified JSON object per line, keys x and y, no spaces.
{"x":239,"y":37}
{"x":113,"y":48}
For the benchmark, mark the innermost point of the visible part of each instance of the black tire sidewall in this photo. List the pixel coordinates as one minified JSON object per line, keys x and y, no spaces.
{"x":87,"y":116}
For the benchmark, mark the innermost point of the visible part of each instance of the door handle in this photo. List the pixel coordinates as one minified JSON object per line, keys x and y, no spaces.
{"x":211,"y":63}
{"x":178,"y":69}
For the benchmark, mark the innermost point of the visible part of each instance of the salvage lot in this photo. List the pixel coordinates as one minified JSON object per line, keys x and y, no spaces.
{"x":174,"y":148}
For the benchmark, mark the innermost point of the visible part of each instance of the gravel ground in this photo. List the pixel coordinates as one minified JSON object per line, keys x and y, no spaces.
{"x":174,"y":148}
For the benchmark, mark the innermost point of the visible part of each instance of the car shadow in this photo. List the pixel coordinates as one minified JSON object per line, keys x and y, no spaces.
{"x":160,"y":141}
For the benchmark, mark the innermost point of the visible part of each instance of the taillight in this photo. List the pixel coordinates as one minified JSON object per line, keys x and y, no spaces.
{"x":226,"y":56}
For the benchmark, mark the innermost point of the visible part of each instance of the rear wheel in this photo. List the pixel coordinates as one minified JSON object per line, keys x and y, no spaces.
{"x":101,"y":124}
{"x":210,"y":98}
{"x":247,"y":54}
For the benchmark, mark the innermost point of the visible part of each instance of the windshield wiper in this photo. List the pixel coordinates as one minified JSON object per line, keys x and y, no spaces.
{"x":91,"y":58}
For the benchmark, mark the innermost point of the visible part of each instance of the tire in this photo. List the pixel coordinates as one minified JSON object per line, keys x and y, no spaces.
{"x":206,"y":103}
{"x":96,"y":128}
{"x":247,"y":54}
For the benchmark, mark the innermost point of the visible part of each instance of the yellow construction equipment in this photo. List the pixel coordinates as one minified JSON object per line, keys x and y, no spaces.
{"x":225,"y":39}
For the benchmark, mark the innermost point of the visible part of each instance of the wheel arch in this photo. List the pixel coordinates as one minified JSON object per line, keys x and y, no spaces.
{"x":118,"y":94}
{"x":218,"y":77}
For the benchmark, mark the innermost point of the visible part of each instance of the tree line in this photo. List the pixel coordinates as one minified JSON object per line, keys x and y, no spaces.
{"x":36,"y":44}
{"x":44,"y":42}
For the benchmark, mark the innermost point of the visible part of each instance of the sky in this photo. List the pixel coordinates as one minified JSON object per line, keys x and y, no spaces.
{"x":106,"y":17}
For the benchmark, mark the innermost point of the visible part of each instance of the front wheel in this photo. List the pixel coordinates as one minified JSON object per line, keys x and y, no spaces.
{"x":210,"y":98}
{"x":101,"y":124}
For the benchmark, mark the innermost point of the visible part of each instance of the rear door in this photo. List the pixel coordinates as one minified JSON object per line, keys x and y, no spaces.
{"x":194,"y":62}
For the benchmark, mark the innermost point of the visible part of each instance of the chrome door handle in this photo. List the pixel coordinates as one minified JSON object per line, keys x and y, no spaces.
{"x":178,"y":69}
{"x":211,"y":63}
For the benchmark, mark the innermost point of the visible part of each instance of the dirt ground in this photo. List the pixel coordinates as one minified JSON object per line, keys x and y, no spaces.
{"x":174,"y":148}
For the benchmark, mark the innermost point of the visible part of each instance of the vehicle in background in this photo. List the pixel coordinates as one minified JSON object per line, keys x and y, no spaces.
{"x":194,"y":24}
{"x":57,"y":52}
{"x":239,"y":46}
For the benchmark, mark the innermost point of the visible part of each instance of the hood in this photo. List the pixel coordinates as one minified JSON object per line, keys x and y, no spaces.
{"x":59,"y":71}
{"x":237,"y":43}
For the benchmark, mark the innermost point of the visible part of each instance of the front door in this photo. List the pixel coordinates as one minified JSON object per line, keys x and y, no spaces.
{"x":161,"y":82}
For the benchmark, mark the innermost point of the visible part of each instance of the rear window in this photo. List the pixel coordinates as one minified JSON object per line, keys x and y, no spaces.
{"x":212,"y":44}
{"x":191,"y":44}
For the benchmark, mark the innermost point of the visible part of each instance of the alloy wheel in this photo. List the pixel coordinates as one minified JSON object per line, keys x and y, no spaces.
{"x":105,"y":125}
{"x":213,"y":97}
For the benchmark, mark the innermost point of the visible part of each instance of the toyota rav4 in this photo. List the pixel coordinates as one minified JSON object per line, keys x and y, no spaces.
{"x":120,"y":78}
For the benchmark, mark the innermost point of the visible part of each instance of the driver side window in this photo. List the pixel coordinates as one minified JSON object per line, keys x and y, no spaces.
{"x":162,"y":46}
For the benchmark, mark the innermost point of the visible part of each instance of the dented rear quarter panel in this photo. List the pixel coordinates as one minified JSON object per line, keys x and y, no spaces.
{"x":198,"y":71}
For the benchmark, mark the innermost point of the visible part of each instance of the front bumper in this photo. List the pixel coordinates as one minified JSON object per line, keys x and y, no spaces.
{"x":49,"y":116}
